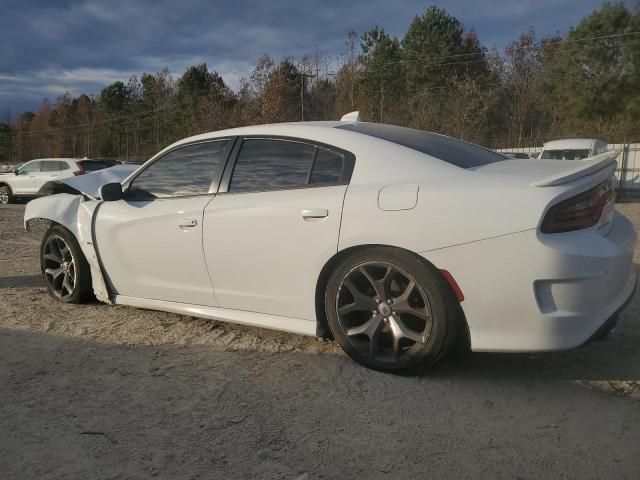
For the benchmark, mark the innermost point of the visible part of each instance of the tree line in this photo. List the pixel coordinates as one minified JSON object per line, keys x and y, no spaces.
{"x":438,"y":76}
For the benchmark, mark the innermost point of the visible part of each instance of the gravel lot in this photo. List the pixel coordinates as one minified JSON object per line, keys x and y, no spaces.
{"x":97,"y":391}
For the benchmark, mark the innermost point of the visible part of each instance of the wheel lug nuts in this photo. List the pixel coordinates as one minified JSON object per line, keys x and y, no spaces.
{"x":377,"y":300}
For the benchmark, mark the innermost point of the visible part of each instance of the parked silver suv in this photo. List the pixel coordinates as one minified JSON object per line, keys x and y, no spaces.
{"x":27,"y":180}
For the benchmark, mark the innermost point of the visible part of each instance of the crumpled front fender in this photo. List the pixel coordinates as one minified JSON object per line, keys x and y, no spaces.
{"x":75,"y":213}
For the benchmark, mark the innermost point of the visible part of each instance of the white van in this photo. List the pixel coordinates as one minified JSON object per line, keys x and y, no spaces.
{"x":573,"y":149}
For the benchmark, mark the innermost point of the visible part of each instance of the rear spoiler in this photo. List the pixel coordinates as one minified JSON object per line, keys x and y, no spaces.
{"x":598,"y":163}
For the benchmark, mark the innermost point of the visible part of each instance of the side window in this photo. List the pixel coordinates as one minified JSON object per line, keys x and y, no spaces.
{"x":30,"y":167}
{"x":52,"y":166}
{"x":266,"y":164}
{"x":327,"y":167}
{"x":182,"y":172}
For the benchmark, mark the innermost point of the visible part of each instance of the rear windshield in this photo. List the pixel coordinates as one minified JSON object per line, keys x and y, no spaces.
{"x":447,"y":149}
{"x":93,"y":165}
{"x":565,"y":154}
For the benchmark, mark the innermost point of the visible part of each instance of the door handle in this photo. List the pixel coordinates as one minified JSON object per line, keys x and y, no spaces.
{"x":310,"y":213}
{"x":188,"y":223}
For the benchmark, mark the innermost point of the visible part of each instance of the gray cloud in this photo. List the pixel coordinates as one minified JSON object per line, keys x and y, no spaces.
{"x":47,"y":48}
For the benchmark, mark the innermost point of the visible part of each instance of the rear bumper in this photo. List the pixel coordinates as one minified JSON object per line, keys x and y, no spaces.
{"x":610,"y":324}
{"x":533,"y":292}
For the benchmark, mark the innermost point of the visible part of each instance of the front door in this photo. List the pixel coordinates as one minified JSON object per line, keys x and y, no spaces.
{"x":150,"y":243}
{"x":24,"y":182}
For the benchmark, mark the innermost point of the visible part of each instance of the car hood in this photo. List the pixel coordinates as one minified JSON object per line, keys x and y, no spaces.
{"x":90,"y":183}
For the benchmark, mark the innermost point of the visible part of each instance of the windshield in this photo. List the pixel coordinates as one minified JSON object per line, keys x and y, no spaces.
{"x":568,"y":154}
{"x":451,"y":150}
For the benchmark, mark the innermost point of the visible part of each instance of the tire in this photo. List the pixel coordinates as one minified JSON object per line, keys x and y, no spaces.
{"x":403,"y":317}
{"x":6,"y":196}
{"x":64,"y":268}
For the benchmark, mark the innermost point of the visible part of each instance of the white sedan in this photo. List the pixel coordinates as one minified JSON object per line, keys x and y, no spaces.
{"x":396,"y":242}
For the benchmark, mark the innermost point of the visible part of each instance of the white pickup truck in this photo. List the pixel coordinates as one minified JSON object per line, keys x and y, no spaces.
{"x":27,"y":179}
{"x":572,"y":149}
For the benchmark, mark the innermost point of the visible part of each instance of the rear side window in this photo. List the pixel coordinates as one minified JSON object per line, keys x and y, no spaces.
{"x":451,"y":150}
{"x":267,"y":164}
{"x":185,"y":171}
{"x":327,"y":167}
{"x":52,"y":166}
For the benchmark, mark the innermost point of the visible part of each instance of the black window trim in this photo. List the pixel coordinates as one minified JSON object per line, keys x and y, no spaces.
{"x":213,"y":186}
{"x":345,"y":175}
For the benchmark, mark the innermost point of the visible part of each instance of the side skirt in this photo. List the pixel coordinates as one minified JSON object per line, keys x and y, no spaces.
{"x":275,"y":322}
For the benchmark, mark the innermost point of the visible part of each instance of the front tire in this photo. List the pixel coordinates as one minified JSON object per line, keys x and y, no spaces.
{"x":391,"y":311}
{"x":65,"y":270}
{"x":6,"y":196}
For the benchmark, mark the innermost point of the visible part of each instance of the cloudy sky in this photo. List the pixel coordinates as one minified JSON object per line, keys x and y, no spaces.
{"x":49,"y":47}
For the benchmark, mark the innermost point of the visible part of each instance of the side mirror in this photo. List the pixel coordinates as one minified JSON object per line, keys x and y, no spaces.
{"x":17,"y":171}
{"x":111,"y":192}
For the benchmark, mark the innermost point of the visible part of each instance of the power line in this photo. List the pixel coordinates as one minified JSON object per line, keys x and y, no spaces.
{"x":425,"y":63}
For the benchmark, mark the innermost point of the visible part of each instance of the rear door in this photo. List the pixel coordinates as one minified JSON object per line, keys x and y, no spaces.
{"x":274,"y":224}
{"x":49,"y":170}
{"x":151,"y":241}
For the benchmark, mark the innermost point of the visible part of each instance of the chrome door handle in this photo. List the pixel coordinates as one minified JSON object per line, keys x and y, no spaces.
{"x":308,"y":213}
{"x":188,"y":223}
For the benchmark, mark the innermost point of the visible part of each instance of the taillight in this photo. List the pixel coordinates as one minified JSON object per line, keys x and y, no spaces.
{"x":581,"y":211}
{"x":80,"y":172}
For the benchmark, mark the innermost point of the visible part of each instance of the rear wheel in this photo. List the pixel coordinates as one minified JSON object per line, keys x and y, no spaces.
{"x":5,"y":195}
{"x":65,"y":270}
{"x":391,"y":311}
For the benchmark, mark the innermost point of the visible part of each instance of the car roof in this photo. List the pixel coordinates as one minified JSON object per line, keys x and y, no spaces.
{"x":63,"y":158}
{"x":573,"y":143}
{"x":321,"y":131}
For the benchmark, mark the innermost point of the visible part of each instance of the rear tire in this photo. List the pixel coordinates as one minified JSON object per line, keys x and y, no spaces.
{"x":391,"y":311}
{"x":6,"y":196}
{"x":64,"y":268}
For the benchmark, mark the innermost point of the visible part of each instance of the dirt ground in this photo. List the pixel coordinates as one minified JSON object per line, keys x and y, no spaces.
{"x":98,"y":391}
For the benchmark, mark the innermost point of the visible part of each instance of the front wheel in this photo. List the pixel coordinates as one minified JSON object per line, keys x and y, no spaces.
{"x":391,"y":311}
{"x":65,"y":270}
{"x":5,"y":195}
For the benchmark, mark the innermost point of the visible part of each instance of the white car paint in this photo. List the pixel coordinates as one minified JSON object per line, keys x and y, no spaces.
{"x":265,"y":249}
{"x":151,"y":253}
{"x":256,"y":257}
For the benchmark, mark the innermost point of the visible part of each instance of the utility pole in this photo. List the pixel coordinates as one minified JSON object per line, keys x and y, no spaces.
{"x":381,"y":96}
{"x":302,"y":82}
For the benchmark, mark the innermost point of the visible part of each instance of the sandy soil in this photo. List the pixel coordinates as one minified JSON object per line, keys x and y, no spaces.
{"x":95,"y":391}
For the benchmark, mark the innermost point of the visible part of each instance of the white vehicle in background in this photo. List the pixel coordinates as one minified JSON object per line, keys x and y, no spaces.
{"x":397,"y":242}
{"x":573,"y":149}
{"x":26,"y":180}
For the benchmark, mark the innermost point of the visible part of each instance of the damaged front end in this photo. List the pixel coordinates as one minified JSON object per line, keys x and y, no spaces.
{"x":75,"y":209}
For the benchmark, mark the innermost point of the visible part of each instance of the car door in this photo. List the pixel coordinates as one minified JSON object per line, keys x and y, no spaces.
{"x":49,"y":170}
{"x":24,"y":182}
{"x":274,"y":224}
{"x":150,"y":242}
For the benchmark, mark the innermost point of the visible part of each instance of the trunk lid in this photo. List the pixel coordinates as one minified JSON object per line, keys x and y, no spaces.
{"x":549,"y":173}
